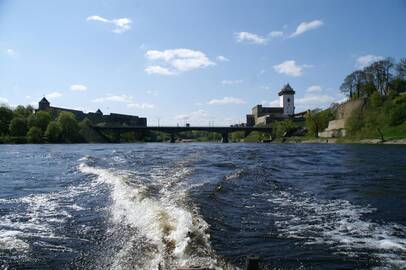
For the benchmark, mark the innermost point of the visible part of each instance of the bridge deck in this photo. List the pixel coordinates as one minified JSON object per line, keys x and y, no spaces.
{"x":218,"y":129}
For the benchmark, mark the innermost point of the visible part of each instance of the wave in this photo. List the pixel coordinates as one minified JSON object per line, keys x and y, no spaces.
{"x":339,"y":224}
{"x":35,"y":219}
{"x":173,"y":231}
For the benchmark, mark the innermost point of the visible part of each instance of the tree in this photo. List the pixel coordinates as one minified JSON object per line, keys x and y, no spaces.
{"x":69,"y":127}
{"x":397,"y":115}
{"x":347,"y":87}
{"x":282,"y":128}
{"x":6,"y":115}
{"x":317,"y":120}
{"x":53,"y":132}
{"x":40,"y":119}
{"x":398,"y":85}
{"x":18,"y":127}
{"x":401,"y":69}
{"x":35,"y":135}
{"x":355,"y":122}
{"x":380,"y":74}
{"x":23,"y":112}
{"x":376,"y":100}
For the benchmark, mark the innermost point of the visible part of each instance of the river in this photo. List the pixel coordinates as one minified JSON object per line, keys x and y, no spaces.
{"x":150,"y":206}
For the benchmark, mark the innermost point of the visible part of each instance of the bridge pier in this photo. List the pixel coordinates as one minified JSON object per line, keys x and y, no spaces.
{"x":173,"y":138}
{"x":224,"y":137}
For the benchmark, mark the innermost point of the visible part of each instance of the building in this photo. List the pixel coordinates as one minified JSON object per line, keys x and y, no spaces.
{"x":266,"y":115}
{"x":97,"y":118}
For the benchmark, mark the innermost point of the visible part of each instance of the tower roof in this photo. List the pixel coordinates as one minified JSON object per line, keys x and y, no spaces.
{"x":286,"y":90}
{"x":44,"y":100}
{"x":99,"y":111}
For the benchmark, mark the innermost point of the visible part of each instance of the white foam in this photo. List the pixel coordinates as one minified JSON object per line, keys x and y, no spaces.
{"x":38,"y":216}
{"x":339,"y":224}
{"x":161,"y":219}
{"x":9,"y":240}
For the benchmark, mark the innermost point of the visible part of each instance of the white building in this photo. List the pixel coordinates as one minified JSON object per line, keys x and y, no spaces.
{"x":265,"y":115}
{"x":287,"y":100}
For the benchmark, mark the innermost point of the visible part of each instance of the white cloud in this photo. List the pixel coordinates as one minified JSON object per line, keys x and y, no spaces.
{"x":116,"y":98}
{"x":128,"y":100}
{"x":250,"y":38}
{"x":226,"y":100}
{"x":312,"y":101}
{"x":53,"y":95}
{"x":221,"y":58}
{"x":290,"y":68}
{"x":97,"y":18}
{"x":141,"y":105}
{"x":273,"y":103}
{"x":78,"y":87}
{"x":366,"y":60}
{"x":198,"y":116}
{"x":276,"y":34}
{"x":313,"y":89}
{"x":3,"y":100}
{"x":11,"y":53}
{"x":121,"y":24}
{"x":261,"y":72}
{"x":176,"y":61}
{"x":306,"y":26}
{"x":229,"y":82}
{"x":158,"y":70}
{"x":154,"y":93}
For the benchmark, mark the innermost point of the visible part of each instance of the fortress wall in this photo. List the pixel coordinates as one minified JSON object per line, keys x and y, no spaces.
{"x":345,"y":109}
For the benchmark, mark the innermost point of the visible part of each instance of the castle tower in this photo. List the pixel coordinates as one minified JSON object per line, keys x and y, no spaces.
{"x":286,"y":100}
{"x":44,"y":104}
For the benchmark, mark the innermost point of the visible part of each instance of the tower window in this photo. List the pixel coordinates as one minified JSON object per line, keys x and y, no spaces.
{"x":288,"y":99}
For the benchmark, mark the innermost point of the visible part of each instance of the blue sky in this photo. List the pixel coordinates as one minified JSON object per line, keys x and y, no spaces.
{"x":190,"y":61}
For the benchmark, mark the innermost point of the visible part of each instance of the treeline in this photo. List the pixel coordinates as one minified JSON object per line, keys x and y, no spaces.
{"x":383,"y":86}
{"x":24,"y":125}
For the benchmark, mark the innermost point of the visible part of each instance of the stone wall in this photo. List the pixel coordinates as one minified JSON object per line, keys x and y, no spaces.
{"x":345,"y":109}
{"x":336,"y":128}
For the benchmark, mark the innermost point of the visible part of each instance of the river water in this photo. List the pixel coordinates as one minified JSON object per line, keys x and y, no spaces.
{"x":150,"y":206}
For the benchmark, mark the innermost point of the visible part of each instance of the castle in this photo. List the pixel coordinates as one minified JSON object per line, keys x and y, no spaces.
{"x":97,"y":118}
{"x":261,"y":116}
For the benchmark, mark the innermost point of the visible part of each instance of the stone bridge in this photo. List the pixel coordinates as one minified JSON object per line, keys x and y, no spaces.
{"x":224,"y":131}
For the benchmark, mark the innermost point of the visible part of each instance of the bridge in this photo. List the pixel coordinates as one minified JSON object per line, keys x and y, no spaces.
{"x":172,"y":131}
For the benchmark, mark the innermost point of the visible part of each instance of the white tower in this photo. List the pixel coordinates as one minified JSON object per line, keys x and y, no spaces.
{"x":287,"y":101}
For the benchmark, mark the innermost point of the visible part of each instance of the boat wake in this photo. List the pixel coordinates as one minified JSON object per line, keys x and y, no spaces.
{"x":168,"y":232}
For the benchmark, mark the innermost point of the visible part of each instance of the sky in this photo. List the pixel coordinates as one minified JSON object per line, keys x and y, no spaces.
{"x":198,"y":62}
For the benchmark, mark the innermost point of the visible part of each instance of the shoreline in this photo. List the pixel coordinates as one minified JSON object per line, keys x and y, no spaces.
{"x":347,"y":141}
{"x":296,"y":140}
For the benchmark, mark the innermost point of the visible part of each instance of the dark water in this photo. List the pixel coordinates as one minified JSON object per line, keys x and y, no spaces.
{"x":140,"y":205}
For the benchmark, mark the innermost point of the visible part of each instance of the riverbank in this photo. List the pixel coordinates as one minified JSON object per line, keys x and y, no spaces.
{"x":342,"y":140}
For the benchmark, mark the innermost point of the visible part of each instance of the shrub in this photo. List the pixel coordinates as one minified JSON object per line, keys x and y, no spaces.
{"x":53,"y":132}
{"x":69,"y":127}
{"x":18,"y":127}
{"x":40,"y":119}
{"x":397,"y":115}
{"x":317,"y":120}
{"x":375,"y":100}
{"x":355,"y":122}
{"x":34,"y":135}
{"x":281,"y":128}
